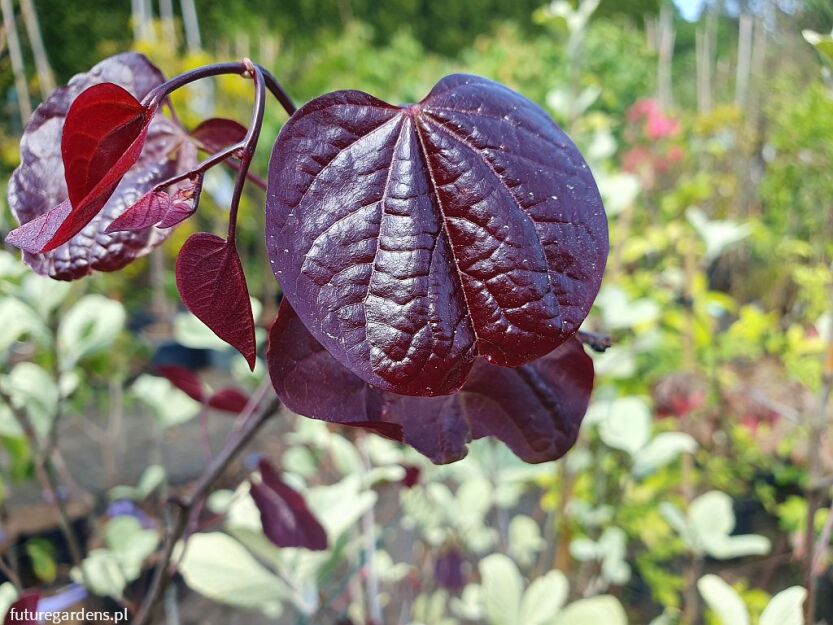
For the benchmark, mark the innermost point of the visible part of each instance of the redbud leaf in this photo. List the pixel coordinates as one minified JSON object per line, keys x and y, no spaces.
{"x":183,"y":205}
{"x":34,"y":235}
{"x":412,"y":239}
{"x":229,"y":400}
{"x":103,"y":137}
{"x":286,"y":519}
{"x":217,"y":133}
{"x":535,"y":409}
{"x":39,"y":184}
{"x":186,"y":380}
{"x":212,"y":286}
{"x":147,"y":212}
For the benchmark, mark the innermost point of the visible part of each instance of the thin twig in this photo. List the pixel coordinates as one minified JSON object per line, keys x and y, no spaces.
{"x":374,"y":607}
{"x":184,"y":506}
{"x":45,"y":477}
{"x":596,"y":341}
{"x":814,"y":440}
{"x":8,"y":570}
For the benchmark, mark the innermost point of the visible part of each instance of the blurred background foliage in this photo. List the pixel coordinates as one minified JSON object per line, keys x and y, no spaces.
{"x":691,"y":492}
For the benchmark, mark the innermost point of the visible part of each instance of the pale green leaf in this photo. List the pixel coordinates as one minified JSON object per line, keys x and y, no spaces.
{"x":723,"y":600}
{"x":502,"y":590}
{"x":602,"y":609}
{"x":544,"y":599}
{"x":220,"y":568}
{"x":90,"y":326}
{"x":785,"y":608}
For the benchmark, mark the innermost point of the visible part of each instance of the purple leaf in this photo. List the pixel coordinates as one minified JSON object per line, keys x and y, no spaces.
{"x":412,"y":239}
{"x":147,"y":212}
{"x":392,"y":431}
{"x":229,"y":400}
{"x":38,"y":184}
{"x":185,"y":380}
{"x":286,"y":519}
{"x":217,"y":133}
{"x":535,"y":409}
{"x":183,"y":205}
{"x":102,"y":138}
{"x":448,"y":570}
{"x":22,"y":611}
{"x":212,"y":286}
{"x":412,"y":476}
{"x":35,"y":234}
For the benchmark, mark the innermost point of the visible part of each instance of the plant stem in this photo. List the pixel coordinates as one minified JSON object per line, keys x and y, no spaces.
{"x":815,"y":434}
{"x":253,"y":418}
{"x":248,"y":149}
{"x":597,"y":341}
{"x":45,"y":477}
{"x":374,"y":607}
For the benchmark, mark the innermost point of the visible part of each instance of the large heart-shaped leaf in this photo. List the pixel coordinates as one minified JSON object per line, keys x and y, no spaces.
{"x":412,"y":239}
{"x":38,"y":184}
{"x":535,"y":409}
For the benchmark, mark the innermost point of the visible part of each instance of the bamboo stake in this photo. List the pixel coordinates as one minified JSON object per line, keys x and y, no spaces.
{"x":192,"y":26}
{"x":666,"y":53}
{"x":24,"y":102}
{"x":744,"y":60}
{"x":46,"y":78}
{"x":166,"y":14}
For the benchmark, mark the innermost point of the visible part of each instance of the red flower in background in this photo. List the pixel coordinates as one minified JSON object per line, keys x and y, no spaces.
{"x":650,"y":133}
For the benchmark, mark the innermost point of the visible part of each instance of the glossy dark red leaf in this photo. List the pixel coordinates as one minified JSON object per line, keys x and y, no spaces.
{"x":412,"y":239}
{"x":217,"y":133}
{"x":229,"y":400}
{"x":23,"y":611}
{"x":38,"y":184}
{"x":286,"y":519}
{"x":535,"y":409}
{"x":212,"y":286}
{"x":186,"y":380}
{"x":147,"y":212}
{"x":103,"y":136}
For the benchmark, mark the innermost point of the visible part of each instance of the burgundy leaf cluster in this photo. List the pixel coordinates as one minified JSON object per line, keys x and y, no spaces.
{"x":87,"y":154}
{"x":437,"y":259}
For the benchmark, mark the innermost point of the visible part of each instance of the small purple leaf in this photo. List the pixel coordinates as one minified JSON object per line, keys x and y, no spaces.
{"x":286,"y":519}
{"x":183,"y":205}
{"x":185,"y":380}
{"x":33,"y":235}
{"x":212,"y":286}
{"x":147,"y":212}
{"x":217,"y":133}
{"x":229,"y":400}
{"x":535,"y":409}
{"x":412,"y":239}
{"x":448,"y":570}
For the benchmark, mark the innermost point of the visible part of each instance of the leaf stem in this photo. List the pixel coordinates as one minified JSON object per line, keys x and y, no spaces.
{"x":248,"y":148}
